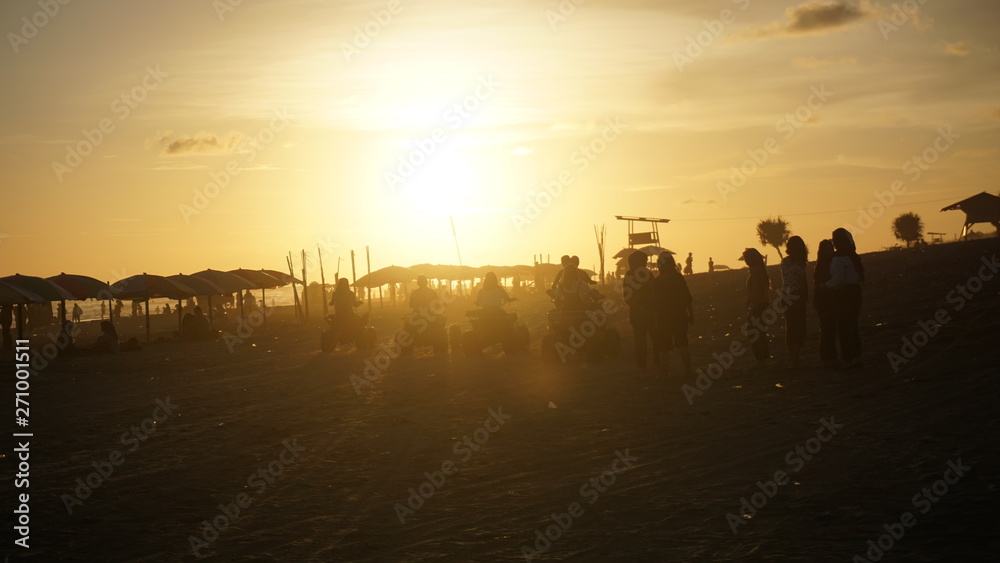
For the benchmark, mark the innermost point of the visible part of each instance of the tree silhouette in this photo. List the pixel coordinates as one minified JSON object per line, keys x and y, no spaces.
{"x":773,"y":232}
{"x":908,"y":228}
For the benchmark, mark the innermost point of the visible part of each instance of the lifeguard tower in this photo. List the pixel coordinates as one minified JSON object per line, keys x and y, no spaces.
{"x":642,"y":237}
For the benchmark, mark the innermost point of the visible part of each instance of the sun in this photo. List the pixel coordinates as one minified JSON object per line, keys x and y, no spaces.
{"x":445,"y":184}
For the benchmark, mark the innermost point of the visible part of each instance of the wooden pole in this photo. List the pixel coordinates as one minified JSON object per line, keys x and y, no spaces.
{"x":455,"y":236}
{"x":322,"y":279}
{"x":305,"y":288}
{"x":295,"y":292}
{"x":368,"y":258}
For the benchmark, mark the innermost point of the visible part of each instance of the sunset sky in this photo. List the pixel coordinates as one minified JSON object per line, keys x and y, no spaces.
{"x":305,"y":108}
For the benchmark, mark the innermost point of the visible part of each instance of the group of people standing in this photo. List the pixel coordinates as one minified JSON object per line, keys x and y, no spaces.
{"x":837,"y":281}
{"x":661,"y":307}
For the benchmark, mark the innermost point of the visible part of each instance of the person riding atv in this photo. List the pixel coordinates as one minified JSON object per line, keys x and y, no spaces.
{"x":578,"y":320}
{"x":491,"y":324}
{"x":425,"y":325}
{"x":345,"y":326}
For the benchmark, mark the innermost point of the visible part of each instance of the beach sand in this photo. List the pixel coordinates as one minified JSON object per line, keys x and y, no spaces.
{"x":342,"y":458}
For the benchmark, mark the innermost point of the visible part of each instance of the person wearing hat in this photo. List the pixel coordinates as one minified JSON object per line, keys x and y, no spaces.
{"x":673,"y":312}
{"x":758,"y":300}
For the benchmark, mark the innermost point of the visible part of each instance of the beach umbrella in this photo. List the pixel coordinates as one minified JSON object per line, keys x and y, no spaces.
{"x":148,"y":286}
{"x":283,"y":277}
{"x":387,"y":275}
{"x":651,"y":250}
{"x":263,"y":281}
{"x":13,"y":295}
{"x":258,"y":278}
{"x":225,"y":280}
{"x":39,"y":286}
{"x":198,"y":286}
{"x":229,"y":282}
{"x":82,"y":287}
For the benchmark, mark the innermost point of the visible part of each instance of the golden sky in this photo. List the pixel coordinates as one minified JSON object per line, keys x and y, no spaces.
{"x":122,"y":117}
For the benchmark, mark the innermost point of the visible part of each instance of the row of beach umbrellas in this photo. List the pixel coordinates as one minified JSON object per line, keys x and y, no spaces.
{"x":402,"y":275}
{"x":20,"y":289}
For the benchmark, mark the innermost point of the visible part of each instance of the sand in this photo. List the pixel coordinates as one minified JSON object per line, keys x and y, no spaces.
{"x":343,"y":459}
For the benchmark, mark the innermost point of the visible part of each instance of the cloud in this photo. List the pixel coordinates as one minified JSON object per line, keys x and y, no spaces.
{"x":992,"y":113}
{"x":815,"y":17}
{"x":958,"y":48}
{"x":817,"y":62}
{"x":521,"y":151}
{"x":698,"y":201}
{"x":201,"y":143}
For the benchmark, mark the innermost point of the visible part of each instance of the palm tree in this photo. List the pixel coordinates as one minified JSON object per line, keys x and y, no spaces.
{"x":908,"y":228}
{"x":773,"y":232}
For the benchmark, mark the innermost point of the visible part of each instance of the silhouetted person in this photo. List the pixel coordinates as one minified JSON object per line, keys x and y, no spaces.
{"x":673,"y":312}
{"x":573,"y":292}
{"x":689,"y":265}
{"x":826,"y":308}
{"x":194,"y":326}
{"x":107,"y":342}
{"x":846,"y":276}
{"x":136,"y":308}
{"x":166,"y":309}
{"x":104,"y":310}
{"x":639,"y":295}
{"x":711,"y":265}
{"x":77,"y":313}
{"x":344,"y":301}
{"x":249,"y":302}
{"x":758,"y":300}
{"x":492,"y":295}
{"x":423,"y":296}
{"x":795,"y":286}
{"x":118,"y":309}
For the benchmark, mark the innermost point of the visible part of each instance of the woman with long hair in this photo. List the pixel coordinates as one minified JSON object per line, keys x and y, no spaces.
{"x":637,"y":291}
{"x":673,"y":312}
{"x":823,"y":301}
{"x":846,"y":276}
{"x":795,"y":290}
